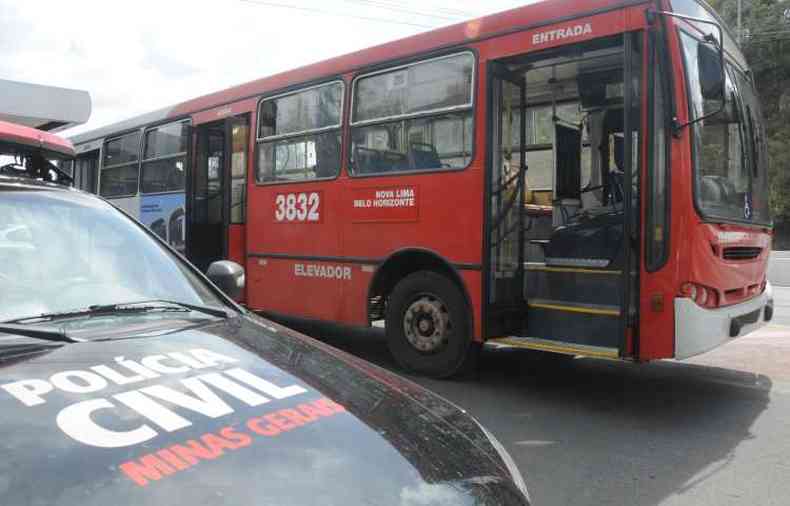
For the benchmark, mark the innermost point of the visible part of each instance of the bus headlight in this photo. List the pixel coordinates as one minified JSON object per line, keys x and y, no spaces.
{"x":701,"y":295}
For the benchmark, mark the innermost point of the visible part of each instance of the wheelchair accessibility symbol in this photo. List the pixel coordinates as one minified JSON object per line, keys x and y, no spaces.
{"x":747,"y":207}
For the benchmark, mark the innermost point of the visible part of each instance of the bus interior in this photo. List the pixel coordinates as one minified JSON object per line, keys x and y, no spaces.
{"x":565,"y":247}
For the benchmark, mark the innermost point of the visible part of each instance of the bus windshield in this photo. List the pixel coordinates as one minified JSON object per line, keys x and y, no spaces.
{"x":729,"y":150}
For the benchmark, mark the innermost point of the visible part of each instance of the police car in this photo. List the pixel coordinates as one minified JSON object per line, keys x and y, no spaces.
{"x":126,"y":377}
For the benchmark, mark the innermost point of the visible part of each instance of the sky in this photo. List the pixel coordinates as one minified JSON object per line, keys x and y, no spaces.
{"x":141,"y":55}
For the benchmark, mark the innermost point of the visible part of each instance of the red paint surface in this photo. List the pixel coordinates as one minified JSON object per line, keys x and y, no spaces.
{"x":224,"y":111}
{"x":11,"y":133}
{"x":691,"y":254}
{"x":237,"y":249}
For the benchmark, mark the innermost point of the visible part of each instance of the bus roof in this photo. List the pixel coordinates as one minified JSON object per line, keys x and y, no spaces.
{"x":19,"y":135}
{"x":518,"y":19}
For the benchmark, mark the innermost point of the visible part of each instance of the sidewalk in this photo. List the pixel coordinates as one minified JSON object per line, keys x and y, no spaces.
{"x":779,"y":268}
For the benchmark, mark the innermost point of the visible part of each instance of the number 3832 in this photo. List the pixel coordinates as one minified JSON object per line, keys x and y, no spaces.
{"x":304,"y":207}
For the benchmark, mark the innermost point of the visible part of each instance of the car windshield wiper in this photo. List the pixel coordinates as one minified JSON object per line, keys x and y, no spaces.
{"x":144,"y":306}
{"x":43,"y":333}
{"x":12,"y":353}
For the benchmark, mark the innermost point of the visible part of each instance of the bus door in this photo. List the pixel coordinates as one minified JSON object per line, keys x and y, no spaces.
{"x":217,"y":192}
{"x":579,"y":212}
{"x":239,"y":136}
{"x":86,"y":171}
{"x":506,"y":305}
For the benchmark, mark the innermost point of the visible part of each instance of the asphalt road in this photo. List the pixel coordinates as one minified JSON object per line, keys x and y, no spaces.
{"x":714,"y":430}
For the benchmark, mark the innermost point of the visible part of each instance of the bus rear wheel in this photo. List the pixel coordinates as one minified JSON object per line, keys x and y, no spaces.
{"x":428,"y":326}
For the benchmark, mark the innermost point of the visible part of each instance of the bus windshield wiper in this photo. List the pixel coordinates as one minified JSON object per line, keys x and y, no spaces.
{"x":43,"y":333}
{"x":126,"y":307}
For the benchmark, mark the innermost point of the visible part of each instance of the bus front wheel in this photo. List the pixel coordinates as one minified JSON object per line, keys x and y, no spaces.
{"x":428,"y":326}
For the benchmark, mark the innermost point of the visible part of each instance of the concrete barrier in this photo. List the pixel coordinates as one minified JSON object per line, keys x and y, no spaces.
{"x":779,"y":268}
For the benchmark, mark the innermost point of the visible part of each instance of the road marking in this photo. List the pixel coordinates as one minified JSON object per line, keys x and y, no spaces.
{"x":535,"y":443}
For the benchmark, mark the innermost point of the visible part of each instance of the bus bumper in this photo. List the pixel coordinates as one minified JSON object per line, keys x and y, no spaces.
{"x":698,"y":330}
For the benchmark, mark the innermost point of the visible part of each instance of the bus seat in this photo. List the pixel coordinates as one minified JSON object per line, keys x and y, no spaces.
{"x":423,"y":156}
{"x":717,"y":190}
{"x":393,"y":161}
{"x":565,"y":210}
{"x":595,"y":242}
{"x":366,"y":160}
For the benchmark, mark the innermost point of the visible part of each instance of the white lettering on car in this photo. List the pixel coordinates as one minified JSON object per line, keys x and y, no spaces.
{"x":29,"y":392}
{"x":204,"y":395}
{"x":115,"y":376}
{"x":135,"y":367}
{"x":211,"y":358}
{"x":76,"y":421}
{"x":78,"y":382}
{"x":191,"y":362}
{"x":143,"y":405}
{"x":154,"y":362}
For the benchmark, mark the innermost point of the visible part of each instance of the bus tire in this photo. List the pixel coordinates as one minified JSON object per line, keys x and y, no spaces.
{"x":428,"y":326}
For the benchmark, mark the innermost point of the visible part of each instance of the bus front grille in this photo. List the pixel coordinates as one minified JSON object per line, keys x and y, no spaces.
{"x":742,"y":253}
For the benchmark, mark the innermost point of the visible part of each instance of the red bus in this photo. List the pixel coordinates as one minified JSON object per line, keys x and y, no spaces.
{"x":582,"y":177}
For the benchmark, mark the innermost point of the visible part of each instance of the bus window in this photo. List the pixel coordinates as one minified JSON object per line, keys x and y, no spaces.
{"x":120,"y":167}
{"x":722,"y":146}
{"x":657,"y":202}
{"x":299,"y":135}
{"x":417,"y":117}
{"x":238,"y":171}
{"x":453,"y":138}
{"x":541,"y":143}
{"x":164,"y":158}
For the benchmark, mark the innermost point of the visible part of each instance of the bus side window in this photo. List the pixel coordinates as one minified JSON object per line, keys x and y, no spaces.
{"x":299,"y":135}
{"x":414,"y":118}
{"x":164,"y":158}
{"x":541,"y":144}
{"x":238,"y":171}
{"x":657,"y":224}
{"x":121,"y":166}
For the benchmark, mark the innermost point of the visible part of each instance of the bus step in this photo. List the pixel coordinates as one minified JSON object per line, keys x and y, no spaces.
{"x":534,"y":343}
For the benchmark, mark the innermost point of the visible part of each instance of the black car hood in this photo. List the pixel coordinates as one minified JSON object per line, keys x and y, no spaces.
{"x":236,"y":412}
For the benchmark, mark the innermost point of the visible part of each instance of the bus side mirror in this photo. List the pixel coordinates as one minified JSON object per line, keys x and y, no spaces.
{"x":228,"y":276}
{"x":711,"y":72}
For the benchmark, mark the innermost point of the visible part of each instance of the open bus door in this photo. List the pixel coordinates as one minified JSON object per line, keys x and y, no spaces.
{"x":506,"y":307}
{"x":581,"y":137}
{"x":216,"y":191}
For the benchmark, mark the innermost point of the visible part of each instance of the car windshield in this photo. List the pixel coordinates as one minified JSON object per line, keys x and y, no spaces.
{"x":62,"y":250}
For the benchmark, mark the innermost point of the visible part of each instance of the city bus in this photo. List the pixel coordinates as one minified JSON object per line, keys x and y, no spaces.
{"x":580,"y":177}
